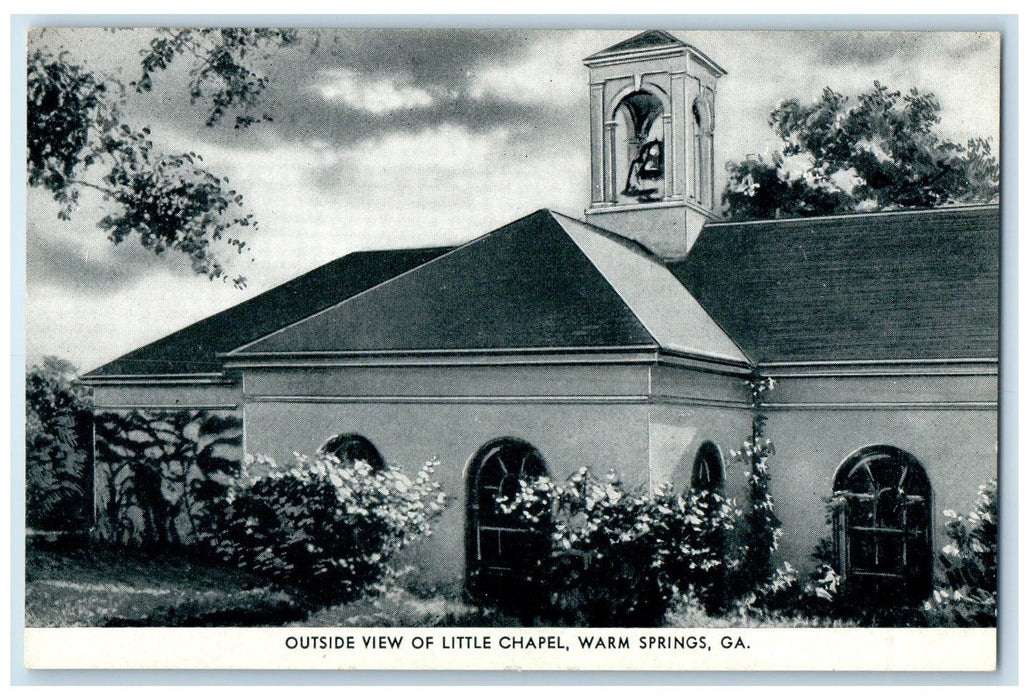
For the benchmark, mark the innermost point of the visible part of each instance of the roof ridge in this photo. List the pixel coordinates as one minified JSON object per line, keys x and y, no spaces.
{"x":655,"y":321}
{"x":633,"y":245}
{"x":860,"y":214}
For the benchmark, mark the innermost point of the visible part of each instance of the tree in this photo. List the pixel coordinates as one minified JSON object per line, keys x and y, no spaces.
{"x":877,"y":151}
{"x":57,"y":450}
{"x":78,"y":138}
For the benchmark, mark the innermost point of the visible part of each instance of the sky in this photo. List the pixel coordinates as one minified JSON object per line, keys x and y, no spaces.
{"x":410,"y":138}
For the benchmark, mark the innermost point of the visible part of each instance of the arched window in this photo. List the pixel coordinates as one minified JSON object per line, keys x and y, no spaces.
{"x":882,"y":525}
{"x":499,"y":544}
{"x":639,"y":135}
{"x":703,"y":144}
{"x":696,"y":187}
{"x":707,"y":469}
{"x":351,"y":448}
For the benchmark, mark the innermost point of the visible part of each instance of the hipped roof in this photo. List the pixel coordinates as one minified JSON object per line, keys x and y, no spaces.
{"x":913,"y":285}
{"x":195,"y":349}
{"x":544,"y":282}
{"x":908,"y":285}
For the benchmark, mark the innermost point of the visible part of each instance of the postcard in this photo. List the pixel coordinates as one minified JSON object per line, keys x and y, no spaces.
{"x":654,"y":349}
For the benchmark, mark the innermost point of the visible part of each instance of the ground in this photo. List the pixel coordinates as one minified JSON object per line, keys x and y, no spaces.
{"x":84,"y":587}
{"x":91,"y":588}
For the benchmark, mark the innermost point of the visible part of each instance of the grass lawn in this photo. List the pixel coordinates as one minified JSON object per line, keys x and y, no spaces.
{"x":96,"y":587}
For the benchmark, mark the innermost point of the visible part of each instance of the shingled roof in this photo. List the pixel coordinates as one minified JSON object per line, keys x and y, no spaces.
{"x":889,"y":286}
{"x":195,"y":348}
{"x":543,"y":282}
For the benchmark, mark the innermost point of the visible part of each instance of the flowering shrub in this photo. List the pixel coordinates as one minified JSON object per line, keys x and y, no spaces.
{"x":327,"y":529}
{"x":969,"y":596}
{"x":617,"y":558}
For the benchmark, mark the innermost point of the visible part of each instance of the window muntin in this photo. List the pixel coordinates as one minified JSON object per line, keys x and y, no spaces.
{"x":882,"y":525}
{"x":351,"y":448}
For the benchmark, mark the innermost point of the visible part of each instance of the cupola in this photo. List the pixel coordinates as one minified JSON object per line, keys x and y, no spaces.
{"x":652,"y":120}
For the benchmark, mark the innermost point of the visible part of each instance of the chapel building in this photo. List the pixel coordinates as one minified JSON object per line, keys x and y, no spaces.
{"x":624,"y":340}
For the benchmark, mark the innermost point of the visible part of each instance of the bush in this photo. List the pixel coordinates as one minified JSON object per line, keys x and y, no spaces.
{"x":618,"y":558}
{"x":969,"y":560}
{"x":326,"y":529}
{"x":58,"y":433}
{"x":966,"y":596}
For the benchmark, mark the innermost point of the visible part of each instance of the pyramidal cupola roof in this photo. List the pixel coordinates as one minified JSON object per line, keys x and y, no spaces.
{"x":648,"y":43}
{"x":652,"y":38}
{"x":545,"y":282}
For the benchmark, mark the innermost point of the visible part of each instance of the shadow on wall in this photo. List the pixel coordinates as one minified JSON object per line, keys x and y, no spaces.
{"x":158,"y":471}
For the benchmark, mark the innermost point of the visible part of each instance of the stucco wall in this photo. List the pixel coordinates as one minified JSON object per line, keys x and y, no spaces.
{"x":677,"y":433}
{"x":494,"y":381}
{"x":691,"y":407}
{"x":569,"y":436}
{"x":170,"y":396}
{"x":645,"y":421}
{"x":946,"y":422}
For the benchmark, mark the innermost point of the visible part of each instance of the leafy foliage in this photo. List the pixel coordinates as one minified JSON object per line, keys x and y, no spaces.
{"x":77,"y":138}
{"x":618,"y":558}
{"x":876,"y":151}
{"x":58,"y":457}
{"x":969,"y":596}
{"x":222,"y":74}
{"x":160,"y":474}
{"x":322,"y":527}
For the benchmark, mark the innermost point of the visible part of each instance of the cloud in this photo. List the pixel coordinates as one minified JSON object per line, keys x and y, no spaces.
{"x":89,"y":332}
{"x":547,"y":71}
{"x":862,"y":49}
{"x":77,"y":255}
{"x":446,"y":148}
{"x":342,"y":87}
{"x":375,"y":95}
{"x":390,"y":138}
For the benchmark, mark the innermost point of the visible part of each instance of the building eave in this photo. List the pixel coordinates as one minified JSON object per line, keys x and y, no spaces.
{"x":447,"y":357}
{"x":211,"y":378}
{"x":882,"y":368}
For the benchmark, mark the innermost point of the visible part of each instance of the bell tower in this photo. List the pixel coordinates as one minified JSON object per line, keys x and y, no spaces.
{"x":652,"y":119}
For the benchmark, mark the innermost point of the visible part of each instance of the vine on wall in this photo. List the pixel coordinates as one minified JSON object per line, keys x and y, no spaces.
{"x":762,"y":526}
